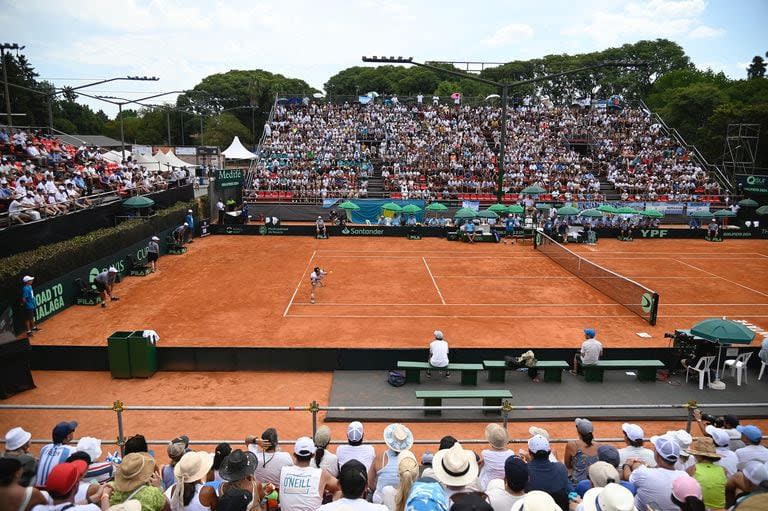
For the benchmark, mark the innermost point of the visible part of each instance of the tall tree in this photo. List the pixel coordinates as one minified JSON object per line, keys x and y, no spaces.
{"x":757,"y":68}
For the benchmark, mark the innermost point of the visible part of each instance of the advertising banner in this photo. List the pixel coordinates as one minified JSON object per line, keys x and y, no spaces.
{"x":230,"y":178}
{"x":753,"y":185}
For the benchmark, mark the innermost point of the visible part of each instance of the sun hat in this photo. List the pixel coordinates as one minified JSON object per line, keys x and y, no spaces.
{"x":538,"y":443}
{"x":355,"y":431}
{"x":322,"y":437}
{"x":667,"y":447}
{"x":407,"y":464}
{"x":237,"y":465}
{"x":234,"y":499}
{"x":535,"y":430}
{"x":752,"y":433}
{"x":438,"y":335}
{"x":686,"y":486}
{"x":304,"y":446}
{"x":719,"y":436}
{"x":756,"y":471}
{"x":633,"y":431}
{"x":135,"y":470}
{"x":193,"y":466}
{"x":536,"y":500}
{"x":64,"y":477}
{"x":703,"y":446}
{"x":609,"y":454}
{"x":62,"y":429}
{"x":496,"y":435}
{"x":613,"y":497}
{"x":471,"y":502}
{"x":27,"y":278}
{"x":584,"y":426}
{"x":91,"y":446}
{"x":398,"y":437}
{"x":455,"y":466}
{"x":16,"y":438}
{"x":602,"y":473}
{"x":128,"y":505}
{"x":755,"y":501}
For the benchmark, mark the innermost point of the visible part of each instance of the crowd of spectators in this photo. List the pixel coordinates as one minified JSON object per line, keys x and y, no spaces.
{"x":441,"y":152}
{"x":723,"y":467}
{"x":41,"y":177}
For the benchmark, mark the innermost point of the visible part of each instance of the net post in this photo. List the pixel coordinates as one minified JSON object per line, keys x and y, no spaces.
{"x":654,"y":309}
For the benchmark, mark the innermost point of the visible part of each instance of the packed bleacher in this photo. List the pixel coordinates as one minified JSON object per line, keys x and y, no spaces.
{"x":719,"y":464}
{"x":445,"y":152}
{"x":41,"y":177}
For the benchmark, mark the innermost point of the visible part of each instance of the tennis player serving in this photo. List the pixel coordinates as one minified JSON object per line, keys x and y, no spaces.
{"x":316,"y":281}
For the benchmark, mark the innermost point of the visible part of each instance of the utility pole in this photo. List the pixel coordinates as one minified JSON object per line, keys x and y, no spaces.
{"x":3,"y":47}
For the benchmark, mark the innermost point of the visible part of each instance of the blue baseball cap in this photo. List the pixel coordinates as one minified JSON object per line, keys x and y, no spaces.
{"x":62,"y":429}
{"x":753,"y":433}
{"x":590,"y":332}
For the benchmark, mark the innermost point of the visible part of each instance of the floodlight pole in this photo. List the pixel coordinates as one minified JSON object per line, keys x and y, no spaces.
{"x":505,"y":87}
{"x":3,"y":47}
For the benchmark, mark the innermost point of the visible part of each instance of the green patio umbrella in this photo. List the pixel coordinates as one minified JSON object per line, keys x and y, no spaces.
{"x":626,"y":210}
{"x":349,"y":205}
{"x":465,"y":213}
{"x":702,"y":213}
{"x":652,"y":213}
{"x":762,"y":210}
{"x":607,"y":208}
{"x":391,"y":206}
{"x":533,"y":190}
{"x":515,"y":209}
{"x":138,"y":202}
{"x":722,"y":331}
{"x":436,"y":206}
{"x":748,"y":203}
{"x":567,"y":211}
{"x":591,"y":213}
{"x":487,"y":213}
{"x":724,"y":213}
{"x":498,"y":208}
{"x":411,"y":209}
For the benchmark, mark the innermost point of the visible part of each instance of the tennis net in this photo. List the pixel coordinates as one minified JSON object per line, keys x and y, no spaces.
{"x":639,"y":299}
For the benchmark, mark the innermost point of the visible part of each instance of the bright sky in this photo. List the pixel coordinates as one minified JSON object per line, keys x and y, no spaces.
{"x":182,"y":41}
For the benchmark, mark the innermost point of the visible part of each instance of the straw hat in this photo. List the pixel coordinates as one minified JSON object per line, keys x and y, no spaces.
{"x":455,"y":466}
{"x":193,"y":466}
{"x":703,"y":446}
{"x":536,"y":500}
{"x":496,"y":436}
{"x":135,"y":470}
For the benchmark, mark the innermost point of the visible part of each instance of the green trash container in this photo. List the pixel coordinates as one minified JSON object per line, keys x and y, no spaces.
{"x":143,"y":355}
{"x":117,"y":352}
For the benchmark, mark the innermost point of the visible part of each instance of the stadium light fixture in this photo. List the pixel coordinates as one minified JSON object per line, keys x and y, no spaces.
{"x":505,"y":88}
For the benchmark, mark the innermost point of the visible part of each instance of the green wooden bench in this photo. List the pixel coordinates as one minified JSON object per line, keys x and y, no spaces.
{"x":435,"y":397}
{"x":553,"y":369}
{"x":646,"y":369}
{"x":413,"y":371}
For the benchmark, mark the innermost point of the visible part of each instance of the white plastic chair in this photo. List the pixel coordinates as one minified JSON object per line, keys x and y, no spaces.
{"x":701,"y":367}
{"x":762,"y":368}
{"x":738,"y":366}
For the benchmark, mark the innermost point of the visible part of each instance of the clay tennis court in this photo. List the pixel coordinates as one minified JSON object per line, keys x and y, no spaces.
{"x":391,"y":292}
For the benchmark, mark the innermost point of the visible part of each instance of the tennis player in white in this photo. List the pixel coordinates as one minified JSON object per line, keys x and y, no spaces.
{"x":316,"y":281}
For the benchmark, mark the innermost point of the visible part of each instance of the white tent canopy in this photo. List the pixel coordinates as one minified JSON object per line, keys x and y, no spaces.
{"x":114,"y":156}
{"x":175,"y":161}
{"x":147,"y":161}
{"x":237,"y":151}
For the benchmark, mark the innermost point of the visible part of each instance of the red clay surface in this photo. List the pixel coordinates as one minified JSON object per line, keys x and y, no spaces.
{"x":391,"y":292}
{"x":234,"y":389}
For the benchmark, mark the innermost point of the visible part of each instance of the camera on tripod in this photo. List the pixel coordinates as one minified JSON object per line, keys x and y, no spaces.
{"x":717,"y":422}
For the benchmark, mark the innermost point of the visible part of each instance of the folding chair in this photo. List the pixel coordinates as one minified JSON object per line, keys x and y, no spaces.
{"x":701,"y":367}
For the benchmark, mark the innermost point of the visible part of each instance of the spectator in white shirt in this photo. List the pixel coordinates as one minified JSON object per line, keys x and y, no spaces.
{"x":438,"y":354}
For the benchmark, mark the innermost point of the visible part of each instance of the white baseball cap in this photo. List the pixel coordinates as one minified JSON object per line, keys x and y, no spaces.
{"x":155,"y":238}
{"x":186,"y":224}
{"x":189,"y":211}
{"x":91,"y":446}
{"x":719,"y":436}
{"x":27,"y":278}
{"x":112,"y":269}
{"x":633,"y":431}
{"x":538,"y":443}
{"x":304,"y":446}
{"x":355,"y":431}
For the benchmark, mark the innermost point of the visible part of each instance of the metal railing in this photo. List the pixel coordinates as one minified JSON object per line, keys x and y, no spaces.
{"x":506,"y":409}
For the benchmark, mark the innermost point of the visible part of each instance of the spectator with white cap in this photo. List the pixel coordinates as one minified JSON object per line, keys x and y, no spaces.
{"x":17,"y":442}
{"x":302,"y":487}
{"x":457,"y":469}
{"x":536,"y":430}
{"x":438,"y":354}
{"x":384,"y":469}
{"x":545,"y":475}
{"x":98,"y":471}
{"x":105,"y":282}
{"x":56,"y":452}
{"x":29,"y":304}
{"x":753,"y":477}
{"x":493,"y":459}
{"x":355,"y":450}
{"x":728,"y":459}
{"x":153,"y":252}
{"x":537,"y":500}
{"x":610,"y":497}
{"x":752,"y":436}
{"x":633,"y":437}
{"x":655,"y":484}
{"x":179,"y":233}
{"x":683,"y":439}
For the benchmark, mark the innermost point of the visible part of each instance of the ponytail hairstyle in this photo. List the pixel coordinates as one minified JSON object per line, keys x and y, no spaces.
{"x":587,"y":438}
{"x":322,"y":439}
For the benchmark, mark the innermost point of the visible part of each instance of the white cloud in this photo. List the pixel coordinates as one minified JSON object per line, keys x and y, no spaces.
{"x":509,"y":34}
{"x":705,"y":32}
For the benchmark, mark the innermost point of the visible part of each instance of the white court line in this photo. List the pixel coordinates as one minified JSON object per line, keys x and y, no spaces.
{"x":723,"y":278}
{"x":515,"y":316}
{"x":526,"y":304}
{"x":564,"y":277}
{"x":433,"y":280}
{"x":379,"y":256}
{"x":309,"y":263}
